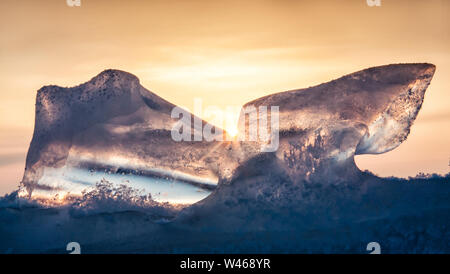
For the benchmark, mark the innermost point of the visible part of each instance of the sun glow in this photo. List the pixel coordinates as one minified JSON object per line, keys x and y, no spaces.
{"x":231,"y":121}
{"x":232,"y":131}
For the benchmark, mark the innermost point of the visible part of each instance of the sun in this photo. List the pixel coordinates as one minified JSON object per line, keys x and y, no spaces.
{"x":232,"y":131}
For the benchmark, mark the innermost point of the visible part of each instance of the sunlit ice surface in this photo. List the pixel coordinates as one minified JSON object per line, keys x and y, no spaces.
{"x":66,"y":181}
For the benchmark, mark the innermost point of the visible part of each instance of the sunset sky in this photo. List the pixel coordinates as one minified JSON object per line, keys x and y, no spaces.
{"x":226,"y":53}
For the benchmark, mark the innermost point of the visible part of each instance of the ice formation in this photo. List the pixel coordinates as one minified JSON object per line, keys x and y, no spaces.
{"x":225,"y":196}
{"x":112,"y":124}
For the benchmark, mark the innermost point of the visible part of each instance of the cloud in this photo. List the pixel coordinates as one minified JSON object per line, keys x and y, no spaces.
{"x":11,"y":158}
{"x":436,"y":117}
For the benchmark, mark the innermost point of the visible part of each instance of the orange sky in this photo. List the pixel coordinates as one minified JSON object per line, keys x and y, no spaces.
{"x":226,"y":53}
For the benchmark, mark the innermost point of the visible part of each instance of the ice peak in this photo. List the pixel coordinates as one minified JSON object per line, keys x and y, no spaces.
{"x":113,"y":77}
{"x":116,"y":75}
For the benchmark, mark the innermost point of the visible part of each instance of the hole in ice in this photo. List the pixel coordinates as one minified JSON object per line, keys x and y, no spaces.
{"x":162,"y":189}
